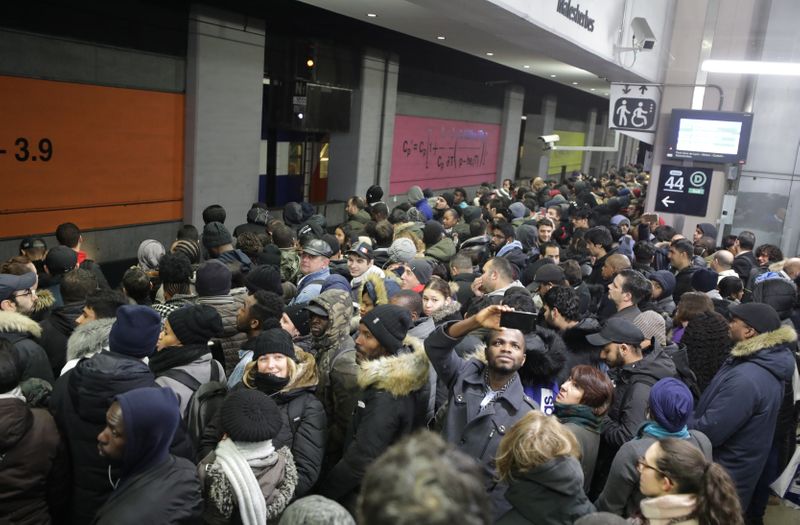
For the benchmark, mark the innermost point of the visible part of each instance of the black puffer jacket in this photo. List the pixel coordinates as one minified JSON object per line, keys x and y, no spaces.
{"x":23,"y":333}
{"x":578,"y":350}
{"x":79,"y":403}
{"x":708,"y":344}
{"x":56,"y":330}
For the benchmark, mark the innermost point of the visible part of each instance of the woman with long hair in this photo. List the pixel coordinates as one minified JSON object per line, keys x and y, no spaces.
{"x":537,"y":458}
{"x":438,"y":302}
{"x":581,"y":403}
{"x":684,"y":488}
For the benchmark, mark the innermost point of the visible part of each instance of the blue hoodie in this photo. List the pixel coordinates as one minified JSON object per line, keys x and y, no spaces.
{"x":150,"y":417}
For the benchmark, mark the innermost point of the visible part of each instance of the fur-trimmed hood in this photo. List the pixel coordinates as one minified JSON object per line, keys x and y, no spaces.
{"x":399,"y":374}
{"x":782,"y":336}
{"x":305,"y":375}
{"x":45,"y":300}
{"x":446,"y":311}
{"x":12,"y":322}
{"x":89,"y":338}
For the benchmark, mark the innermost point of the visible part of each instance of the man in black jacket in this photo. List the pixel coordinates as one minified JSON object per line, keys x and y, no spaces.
{"x":562,"y":313}
{"x":744,"y":260}
{"x":391,"y":402}
{"x":153,"y":486}
{"x":681,"y":253}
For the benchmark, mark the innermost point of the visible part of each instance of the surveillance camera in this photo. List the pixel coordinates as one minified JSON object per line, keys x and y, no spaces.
{"x":549,"y":141}
{"x":643,"y":36}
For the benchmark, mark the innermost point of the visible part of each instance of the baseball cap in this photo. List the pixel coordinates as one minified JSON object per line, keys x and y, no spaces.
{"x":361,"y":249}
{"x":549,"y":273}
{"x":13,"y":283}
{"x":317,"y":310}
{"x":616,"y":331}
{"x":317,"y":247}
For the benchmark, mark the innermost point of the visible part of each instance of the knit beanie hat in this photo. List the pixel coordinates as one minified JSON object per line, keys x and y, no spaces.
{"x":471,"y":213}
{"x":389,"y":324}
{"x":432,"y":233}
{"x":216,"y":234}
{"x":422,"y":270}
{"x":258,"y":215}
{"x":299,"y":317}
{"x":189,"y":248}
{"x":414,"y":194}
{"x":274,"y":341}
{"x":652,"y":325}
{"x":195,"y":324}
{"x":135,"y":331}
{"x":449,"y":198}
{"x":414,"y":215}
{"x":213,"y":278}
{"x":374,"y":194}
{"x":250,"y":415}
{"x":671,"y":403}
{"x":264,"y":277}
{"x":402,"y":250}
{"x":518,"y":210}
{"x":666,"y":280}
{"x":292,"y":213}
{"x":704,"y":280}
{"x":616,"y":220}
{"x":60,"y":259}
{"x":316,"y":509}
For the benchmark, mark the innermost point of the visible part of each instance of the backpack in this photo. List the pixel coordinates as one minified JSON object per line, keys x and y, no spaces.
{"x":205,"y":402}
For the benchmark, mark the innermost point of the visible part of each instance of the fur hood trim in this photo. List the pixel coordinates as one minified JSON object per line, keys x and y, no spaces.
{"x":305,"y":375}
{"x":399,"y":374}
{"x":783,"y":335}
{"x":446,"y":311}
{"x":44,"y":300}
{"x":381,"y":295}
{"x":89,"y":338}
{"x":13,"y":322}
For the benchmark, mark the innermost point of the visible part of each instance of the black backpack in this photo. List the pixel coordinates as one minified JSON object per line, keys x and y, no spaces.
{"x":205,"y":402}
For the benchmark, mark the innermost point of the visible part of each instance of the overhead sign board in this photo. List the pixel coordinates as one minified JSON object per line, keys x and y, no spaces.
{"x":634,"y":107}
{"x":683,"y":190}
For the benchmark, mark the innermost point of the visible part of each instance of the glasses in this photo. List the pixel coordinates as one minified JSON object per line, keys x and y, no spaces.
{"x":642,"y":464}
{"x":29,"y":291}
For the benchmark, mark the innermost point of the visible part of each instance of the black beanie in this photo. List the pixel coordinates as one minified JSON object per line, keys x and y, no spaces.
{"x":264,"y":277}
{"x":195,"y":324}
{"x":432,"y":233}
{"x":216,"y":234}
{"x":374,"y":194}
{"x":250,"y":415}
{"x":300,"y":318}
{"x":270,"y":255}
{"x":274,"y":341}
{"x":389,"y":324}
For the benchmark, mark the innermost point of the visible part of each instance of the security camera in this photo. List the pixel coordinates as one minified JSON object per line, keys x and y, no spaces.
{"x":548,"y":141}
{"x":643,"y":37}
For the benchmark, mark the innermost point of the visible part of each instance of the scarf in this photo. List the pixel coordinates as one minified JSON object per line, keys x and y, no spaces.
{"x":657,"y":431}
{"x":580,"y":415}
{"x":237,"y":461}
{"x":508,"y":247}
{"x":269,"y":383}
{"x":175,"y":356}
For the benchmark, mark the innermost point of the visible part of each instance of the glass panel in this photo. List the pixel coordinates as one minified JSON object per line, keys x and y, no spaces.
{"x":761,"y":207}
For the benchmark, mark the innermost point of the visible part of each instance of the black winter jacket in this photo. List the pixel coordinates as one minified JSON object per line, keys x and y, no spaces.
{"x":23,"y":333}
{"x":56,"y":330}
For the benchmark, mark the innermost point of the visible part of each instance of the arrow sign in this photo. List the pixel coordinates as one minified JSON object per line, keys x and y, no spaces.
{"x":626,"y":89}
{"x":642,"y":89}
{"x":666,"y":201}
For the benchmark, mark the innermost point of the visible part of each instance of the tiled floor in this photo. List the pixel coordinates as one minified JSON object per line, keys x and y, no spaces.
{"x":781,"y":515}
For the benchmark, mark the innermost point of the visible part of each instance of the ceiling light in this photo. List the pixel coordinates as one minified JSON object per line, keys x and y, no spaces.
{"x":552,"y":76}
{"x":751,"y":67}
{"x":574,"y":83}
{"x":440,"y":37}
{"x":606,"y":94}
{"x":372,"y":15}
{"x":591,"y":89}
{"x":526,"y":66}
{"x":490,"y":54}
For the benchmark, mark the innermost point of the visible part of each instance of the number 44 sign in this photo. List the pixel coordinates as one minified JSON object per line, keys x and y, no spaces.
{"x":683,"y":190}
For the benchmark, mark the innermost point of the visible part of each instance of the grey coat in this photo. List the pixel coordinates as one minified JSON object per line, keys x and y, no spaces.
{"x":199,"y":369}
{"x":621,"y":493}
{"x":474,"y":432}
{"x":590,"y":444}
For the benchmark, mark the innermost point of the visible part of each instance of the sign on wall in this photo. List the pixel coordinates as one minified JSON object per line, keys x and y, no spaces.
{"x":438,"y":153}
{"x":683,"y":190}
{"x":633,"y":107}
{"x":96,"y":156}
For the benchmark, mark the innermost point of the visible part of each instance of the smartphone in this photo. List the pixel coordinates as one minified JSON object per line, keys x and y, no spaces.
{"x":522,"y":321}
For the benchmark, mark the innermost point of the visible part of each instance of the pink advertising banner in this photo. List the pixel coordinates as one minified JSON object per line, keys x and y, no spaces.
{"x":436,"y":153}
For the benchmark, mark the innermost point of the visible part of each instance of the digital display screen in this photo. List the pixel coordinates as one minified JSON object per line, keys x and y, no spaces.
{"x":710,"y":136}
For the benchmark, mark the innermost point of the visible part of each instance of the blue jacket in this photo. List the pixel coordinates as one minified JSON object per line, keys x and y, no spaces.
{"x":739,"y":409}
{"x":310,"y":286}
{"x":425,"y":208}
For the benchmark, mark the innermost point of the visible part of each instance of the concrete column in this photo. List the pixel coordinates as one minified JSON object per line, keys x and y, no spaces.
{"x":224,"y":81}
{"x":362,"y":156}
{"x":590,"y":127}
{"x":549,"y":104}
{"x":509,"y":134}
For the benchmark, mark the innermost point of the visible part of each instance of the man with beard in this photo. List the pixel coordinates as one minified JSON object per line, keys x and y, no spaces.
{"x":485,"y":397}
{"x":17,"y":298}
{"x":504,"y":244}
{"x":562,"y":312}
{"x":497,"y":277}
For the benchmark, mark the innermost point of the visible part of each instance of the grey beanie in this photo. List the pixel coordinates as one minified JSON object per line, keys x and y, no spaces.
{"x":312,"y":510}
{"x":402,"y":250}
{"x":415,"y":194}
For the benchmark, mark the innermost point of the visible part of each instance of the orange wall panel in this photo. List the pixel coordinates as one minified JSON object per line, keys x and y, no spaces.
{"x":97,"y":156}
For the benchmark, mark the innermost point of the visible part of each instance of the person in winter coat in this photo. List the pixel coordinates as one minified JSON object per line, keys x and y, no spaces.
{"x":708,"y":344}
{"x":152,"y":486}
{"x":82,"y":396}
{"x":671,"y":405}
{"x":34,"y":464}
{"x":393,"y":377}
{"x":183,"y":359}
{"x":357,"y":215}
{"x":375,"y":291}
{"x":257,"y":219}
{"x":17,"y":299}
{"x":361,"y":266}
{"x":485,"y":394}
{"x":561,"y":311}
{"x":739,"y":409}
{"x":439,"y":248}
{"x":504,"y":244}
{"x":582,"y":402}
{"x":538,"y":459}
{"x":663,"y":287}
{"x":544,"y":367}
{"x":684,"y":488}
{"x":417,"y":199}
{"x":94,"y":325}
{"x":633,"y":375}
{"x":248,"y":478}
{"x":335,"y":352}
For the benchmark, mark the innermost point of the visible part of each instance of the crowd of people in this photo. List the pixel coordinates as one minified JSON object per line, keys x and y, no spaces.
{"x":537,"y":353}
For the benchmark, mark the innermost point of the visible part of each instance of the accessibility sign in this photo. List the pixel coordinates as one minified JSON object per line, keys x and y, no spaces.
{"x":683,"y":190}
{"x":634,"y":107}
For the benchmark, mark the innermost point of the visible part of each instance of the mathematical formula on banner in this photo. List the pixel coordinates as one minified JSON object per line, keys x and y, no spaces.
{"x":443,"y":157}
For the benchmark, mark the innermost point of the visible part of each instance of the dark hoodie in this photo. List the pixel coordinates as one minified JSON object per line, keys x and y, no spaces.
{"x":292,"y":215}
{"x":56,"y":330}
{"x":155,"y":487}
{"x":708,"y":229}
{"x":543,"y":370}
{"x":549,"y":494}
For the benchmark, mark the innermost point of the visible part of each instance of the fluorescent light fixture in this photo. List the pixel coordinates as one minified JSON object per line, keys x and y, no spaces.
{"x":574,"y":83}
{"x":489,"y":54}
{"x":591,"y":89}
{"x":526,"y":66}
{"x":751,"y":67}
{"x":372,"y":15}
{"x":552,"y":76}
{"x":440,"y":37}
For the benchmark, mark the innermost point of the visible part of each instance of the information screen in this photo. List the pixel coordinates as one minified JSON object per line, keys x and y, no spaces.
{"x":710,"y":136}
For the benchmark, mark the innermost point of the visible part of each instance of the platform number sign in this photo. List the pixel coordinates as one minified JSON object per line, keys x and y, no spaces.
{"x":634,"y":107}
{"x":683,"y":190}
